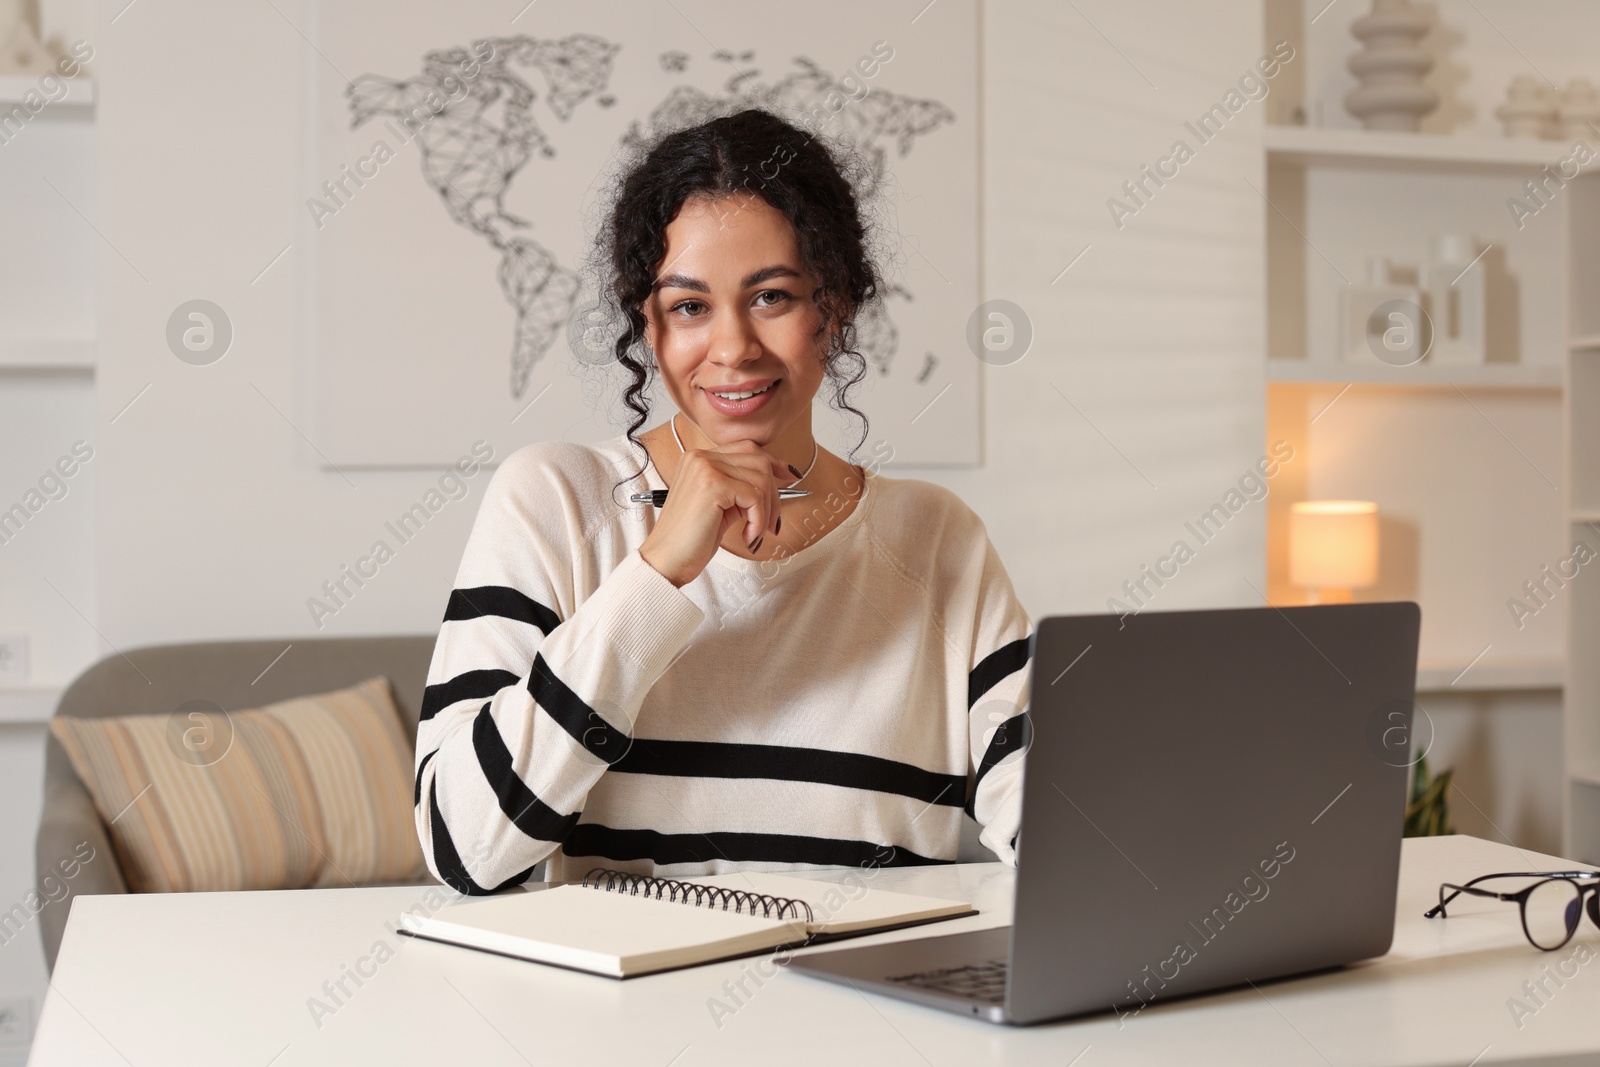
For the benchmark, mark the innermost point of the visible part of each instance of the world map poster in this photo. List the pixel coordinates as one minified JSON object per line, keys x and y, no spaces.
{"x":461,"y":162}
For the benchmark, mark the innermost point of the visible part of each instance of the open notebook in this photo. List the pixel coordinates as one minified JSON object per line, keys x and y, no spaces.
{"x":622,"y":925}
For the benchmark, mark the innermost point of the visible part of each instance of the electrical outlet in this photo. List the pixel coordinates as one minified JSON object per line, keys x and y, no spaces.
{"x":13,"y":659}
{"x":16,"y":1021}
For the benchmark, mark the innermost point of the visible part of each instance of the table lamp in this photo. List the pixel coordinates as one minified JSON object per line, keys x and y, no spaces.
{"x":1333,"y":547}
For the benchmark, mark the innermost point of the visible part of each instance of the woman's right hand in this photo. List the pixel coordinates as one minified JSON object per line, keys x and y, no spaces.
{"x":712,"y":492}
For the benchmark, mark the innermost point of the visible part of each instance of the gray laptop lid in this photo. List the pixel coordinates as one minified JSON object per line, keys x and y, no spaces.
{"x":1210,"y":797}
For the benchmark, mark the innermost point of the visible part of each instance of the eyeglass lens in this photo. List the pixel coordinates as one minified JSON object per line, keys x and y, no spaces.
{"x":1552,"y":912}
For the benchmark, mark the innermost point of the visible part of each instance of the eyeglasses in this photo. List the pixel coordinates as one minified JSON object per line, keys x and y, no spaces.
{"x":1551,"y":908}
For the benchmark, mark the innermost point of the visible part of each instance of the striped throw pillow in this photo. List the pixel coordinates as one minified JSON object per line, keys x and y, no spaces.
{"x":309,"y":792}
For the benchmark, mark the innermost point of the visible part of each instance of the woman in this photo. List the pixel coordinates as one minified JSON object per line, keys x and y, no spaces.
{"x":735,"y":681}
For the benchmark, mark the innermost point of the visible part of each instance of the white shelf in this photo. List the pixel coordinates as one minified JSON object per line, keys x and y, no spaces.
{"x":46,"y":353}
{"x":27,"y":705}
{"x":1305,"y":145}
{"x":1422,"y":375}
{"x":1586,"y":515}
{"x":1586,"y":343}
{"x":1489,"y":676}
{"x":80,"y":93}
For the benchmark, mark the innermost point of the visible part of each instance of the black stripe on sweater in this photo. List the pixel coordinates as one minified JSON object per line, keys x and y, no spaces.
{"x":604,"y":741}
{"x":852,"y":770}
{"x":502,"y":601}
{"x":1005,"y":660}
{"x":471,"y":685}
{"x":447,"y":861}
{"x":1013,"y":735}
{"x":530,"y":814}
{"x":593,"y":839}
{"x":417,"y":799}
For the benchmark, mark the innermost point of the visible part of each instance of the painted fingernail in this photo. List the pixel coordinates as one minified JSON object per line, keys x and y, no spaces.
{"x":777,"y":527}
{"x":756,"y":547}
{"x":796,"y":470}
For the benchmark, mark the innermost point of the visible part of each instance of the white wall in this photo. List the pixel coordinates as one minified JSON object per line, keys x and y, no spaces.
{"x":1155,"y":335}
{"x":218,"y":520}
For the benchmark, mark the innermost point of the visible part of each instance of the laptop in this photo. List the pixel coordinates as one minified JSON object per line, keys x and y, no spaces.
{"x":1210,"y":798}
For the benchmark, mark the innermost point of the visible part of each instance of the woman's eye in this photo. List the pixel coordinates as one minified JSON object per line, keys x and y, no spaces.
{"x":767,"y":298}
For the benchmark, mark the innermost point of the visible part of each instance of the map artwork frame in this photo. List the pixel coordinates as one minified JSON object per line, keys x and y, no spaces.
{"x":460,"y":160}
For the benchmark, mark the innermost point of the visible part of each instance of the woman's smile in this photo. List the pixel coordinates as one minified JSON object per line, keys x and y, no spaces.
{"x":739,"y":402}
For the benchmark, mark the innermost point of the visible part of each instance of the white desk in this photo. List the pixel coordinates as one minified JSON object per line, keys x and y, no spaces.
{"x":212,"y":978}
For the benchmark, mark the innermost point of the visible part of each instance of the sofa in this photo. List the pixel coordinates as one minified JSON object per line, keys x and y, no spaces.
{"x":233,"y":674}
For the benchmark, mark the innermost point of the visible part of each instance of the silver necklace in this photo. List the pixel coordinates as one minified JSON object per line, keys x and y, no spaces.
{"x":814,"y":452}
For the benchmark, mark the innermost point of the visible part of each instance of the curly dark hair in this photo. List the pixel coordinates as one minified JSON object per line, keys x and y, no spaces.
{"x":812,"y":187}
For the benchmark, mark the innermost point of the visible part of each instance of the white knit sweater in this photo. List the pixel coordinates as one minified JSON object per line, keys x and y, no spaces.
{"x":840,"y":707}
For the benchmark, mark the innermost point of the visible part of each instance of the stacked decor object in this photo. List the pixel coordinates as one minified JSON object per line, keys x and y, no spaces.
{"x":1534,"y":109}
{"x":1390,"y":67}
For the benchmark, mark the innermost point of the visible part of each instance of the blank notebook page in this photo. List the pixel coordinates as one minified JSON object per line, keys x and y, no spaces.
{"x":610,"y":933}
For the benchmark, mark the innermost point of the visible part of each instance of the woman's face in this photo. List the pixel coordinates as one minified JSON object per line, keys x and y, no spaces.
{"x":732,"y":313}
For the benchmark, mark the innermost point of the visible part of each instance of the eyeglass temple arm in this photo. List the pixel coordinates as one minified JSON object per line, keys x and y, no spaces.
{"x":1468,"y":888}
{"x":1459,"y":889}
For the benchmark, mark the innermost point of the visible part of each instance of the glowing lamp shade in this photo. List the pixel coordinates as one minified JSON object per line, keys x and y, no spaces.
{"x":1333,"y":547}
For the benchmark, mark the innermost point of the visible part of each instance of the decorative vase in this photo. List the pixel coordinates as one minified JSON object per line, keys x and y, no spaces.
{"x":1579,"y":113}
{"x":1529,"y":110}
{"x":1390,"y":66}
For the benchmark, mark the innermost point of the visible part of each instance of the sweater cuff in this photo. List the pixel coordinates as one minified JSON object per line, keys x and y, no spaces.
{"x":644,"y":615}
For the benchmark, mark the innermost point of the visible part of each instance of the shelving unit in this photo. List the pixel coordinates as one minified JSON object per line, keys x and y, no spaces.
{"x":80,"y":94}
{"x":1487,"y":676}
{"x":1583,"y":419}
{"x":23,"y":706}
{"x":48,"y":255}
{"x":1582,"y":422}
{"x":1302,"y":145}
{"x":1421,"y":376}
{"x":1464,"y":461}
{"x":47,"y":354}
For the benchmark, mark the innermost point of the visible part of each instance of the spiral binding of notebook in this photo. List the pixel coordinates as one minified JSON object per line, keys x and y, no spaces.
{"x":759,"y":905}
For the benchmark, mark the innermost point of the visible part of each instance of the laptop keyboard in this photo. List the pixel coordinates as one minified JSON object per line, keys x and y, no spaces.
{"x":975,"y":981}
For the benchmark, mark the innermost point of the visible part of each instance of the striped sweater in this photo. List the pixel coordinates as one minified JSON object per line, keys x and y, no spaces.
{"x":842,"y":706}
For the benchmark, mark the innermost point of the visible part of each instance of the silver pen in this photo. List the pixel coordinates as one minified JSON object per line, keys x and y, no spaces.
{"x":658,"y":497}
